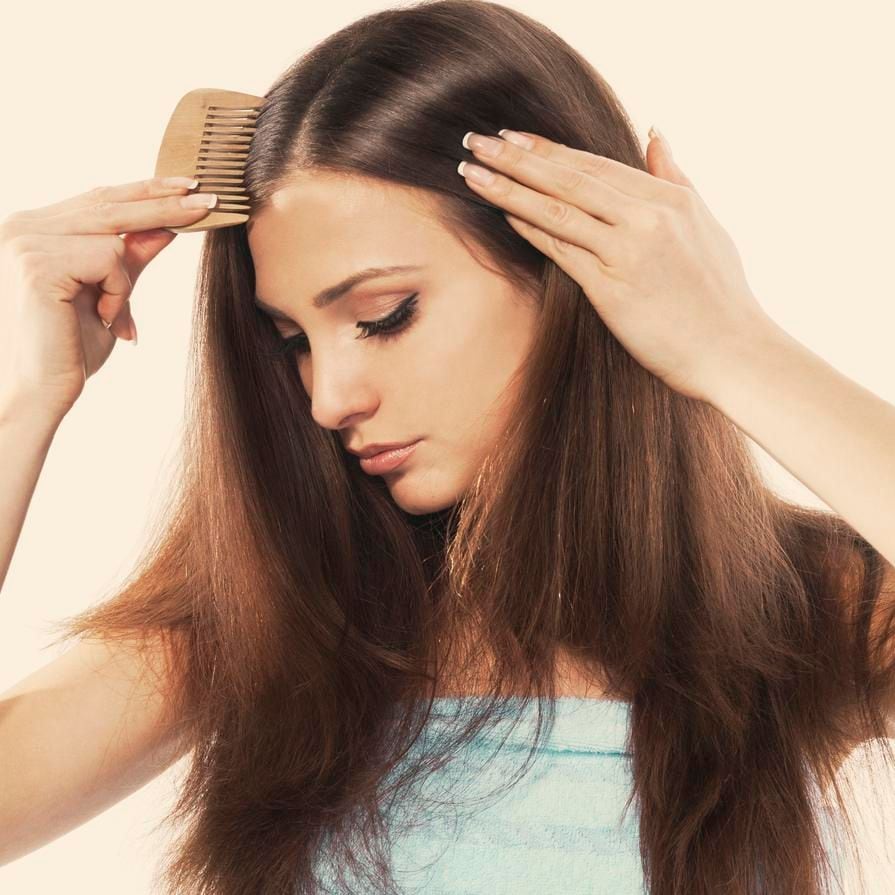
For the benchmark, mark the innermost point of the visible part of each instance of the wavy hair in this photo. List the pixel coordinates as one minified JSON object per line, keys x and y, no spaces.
{"x":307,"y":621}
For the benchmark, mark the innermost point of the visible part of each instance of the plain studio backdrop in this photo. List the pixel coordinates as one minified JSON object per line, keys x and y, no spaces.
{"x":779,"y":113}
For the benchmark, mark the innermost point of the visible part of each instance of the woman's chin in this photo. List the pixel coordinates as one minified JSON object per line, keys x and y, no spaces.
{"x":417,"y":498}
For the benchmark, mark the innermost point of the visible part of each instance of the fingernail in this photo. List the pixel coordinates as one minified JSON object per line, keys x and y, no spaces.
{"x":189,"y":183}
{"x":199,"y":200}
{"x":133,"y":330}
{"x":655,"y":132}
{"x":475,"y":173}
{"x":105,"y":324}
{"x":517,"y":138}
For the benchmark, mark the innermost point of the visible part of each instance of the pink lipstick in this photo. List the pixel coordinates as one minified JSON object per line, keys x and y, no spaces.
{"x":387,"y":460}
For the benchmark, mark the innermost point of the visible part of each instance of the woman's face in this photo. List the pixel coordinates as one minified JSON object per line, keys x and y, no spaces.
{"x":438,"y":378}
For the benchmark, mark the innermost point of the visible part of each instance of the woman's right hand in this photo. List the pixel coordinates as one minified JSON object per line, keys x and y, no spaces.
{"x":64,"y":270}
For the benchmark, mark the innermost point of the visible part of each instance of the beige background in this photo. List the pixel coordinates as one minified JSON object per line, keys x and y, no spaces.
{"x":780,"y":113}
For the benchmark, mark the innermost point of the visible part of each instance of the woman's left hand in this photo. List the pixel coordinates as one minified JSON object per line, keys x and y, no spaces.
{"x":659,"y":269}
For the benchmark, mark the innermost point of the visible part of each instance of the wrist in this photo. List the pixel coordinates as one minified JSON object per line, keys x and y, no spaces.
{"x":21,"y":410}
{"x":749,"y":349}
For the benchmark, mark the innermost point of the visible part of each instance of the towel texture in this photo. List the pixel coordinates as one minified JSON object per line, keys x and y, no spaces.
{"x":563,"y":827}
{"x":558,"y":829}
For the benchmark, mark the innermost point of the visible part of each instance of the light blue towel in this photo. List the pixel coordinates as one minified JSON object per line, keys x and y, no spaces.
{"x":558,"y":829}
{"x":563,"y":827}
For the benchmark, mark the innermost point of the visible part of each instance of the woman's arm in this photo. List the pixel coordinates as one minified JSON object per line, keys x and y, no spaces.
{"x":26,"y":434}
{"x":834,"y":435}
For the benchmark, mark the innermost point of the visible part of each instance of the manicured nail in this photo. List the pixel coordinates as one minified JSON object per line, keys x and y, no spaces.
{"x":199,"y":200}
{"x":487,"y":146}
{"x":175,"y":183}
{"x":475,"y":173}
{"x":654,"y":132}
{"x":133,"y":332}
{"x":517,"y":138}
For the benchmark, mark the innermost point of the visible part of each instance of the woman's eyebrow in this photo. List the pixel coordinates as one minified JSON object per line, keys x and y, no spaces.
{"x":327,"y":296}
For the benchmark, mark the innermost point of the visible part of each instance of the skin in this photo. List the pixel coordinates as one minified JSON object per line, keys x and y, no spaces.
{"x":444,"y":378}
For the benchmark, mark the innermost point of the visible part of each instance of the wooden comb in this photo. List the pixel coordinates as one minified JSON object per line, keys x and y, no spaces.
{"x":208,"y":138}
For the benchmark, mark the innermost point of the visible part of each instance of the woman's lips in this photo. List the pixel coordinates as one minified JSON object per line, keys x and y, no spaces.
{"x":387,"y":460}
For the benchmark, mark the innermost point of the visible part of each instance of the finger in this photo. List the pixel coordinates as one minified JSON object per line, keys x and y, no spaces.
{"x":115,"y":287}
{"x":127,"y":323}
{"x":113,"y":306}
{"x":632,"y":181}
{"x":582,"y":266}
{"x":149,"y":188}
{"x":557,"y":218}
{"x":661,"y":163}
{"x":99,"y":263}
{"x":118,"y":217}
{"x":585,"y":189}
{"x":142,"y":247}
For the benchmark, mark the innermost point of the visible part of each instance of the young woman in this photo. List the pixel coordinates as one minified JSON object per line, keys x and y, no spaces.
{"x":556,"y":372}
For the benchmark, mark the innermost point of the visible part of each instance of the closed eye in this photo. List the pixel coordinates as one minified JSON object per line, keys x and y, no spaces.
{"x":385,"y":328}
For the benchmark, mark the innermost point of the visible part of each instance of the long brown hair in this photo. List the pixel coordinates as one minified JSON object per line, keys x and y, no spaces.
{"x":308,"y":621}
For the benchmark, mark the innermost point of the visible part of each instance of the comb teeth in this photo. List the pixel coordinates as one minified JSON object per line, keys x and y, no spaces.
{"x":208,"y":138}
{"x":220,"y":166}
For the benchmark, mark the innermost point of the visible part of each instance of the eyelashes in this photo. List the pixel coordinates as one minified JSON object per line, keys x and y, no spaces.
{"x":385,"y":328}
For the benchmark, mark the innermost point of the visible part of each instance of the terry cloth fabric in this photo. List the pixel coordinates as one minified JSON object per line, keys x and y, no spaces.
{"x":562,"y":828}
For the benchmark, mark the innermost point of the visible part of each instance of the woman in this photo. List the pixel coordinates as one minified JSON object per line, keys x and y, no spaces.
{"x":575,"y":356}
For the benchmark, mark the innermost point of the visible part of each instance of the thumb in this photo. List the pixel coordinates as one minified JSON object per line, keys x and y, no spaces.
{"x":661,"y":163}
{"x":142,"y":247}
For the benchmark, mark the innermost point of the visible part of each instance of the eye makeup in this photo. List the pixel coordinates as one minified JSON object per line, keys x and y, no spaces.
{"x":385,"y":328}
